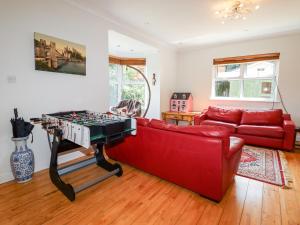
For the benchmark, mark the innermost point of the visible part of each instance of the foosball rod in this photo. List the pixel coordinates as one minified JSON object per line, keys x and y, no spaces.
{"x":95,"y":181}
{"x":76,"y":166}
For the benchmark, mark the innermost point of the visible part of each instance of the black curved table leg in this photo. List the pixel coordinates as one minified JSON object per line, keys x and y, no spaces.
{"x":59,"y":145}
{"x":103,"y":163}
{"x":66,"y":189}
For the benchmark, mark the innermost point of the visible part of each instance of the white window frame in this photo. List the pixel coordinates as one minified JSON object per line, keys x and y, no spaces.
{"x":118,"y":82}
{"x":122,"y":82}
{"x":242,"y":78}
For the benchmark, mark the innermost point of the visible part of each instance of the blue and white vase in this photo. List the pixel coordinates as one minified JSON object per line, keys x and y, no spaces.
{"x":22,"y":160}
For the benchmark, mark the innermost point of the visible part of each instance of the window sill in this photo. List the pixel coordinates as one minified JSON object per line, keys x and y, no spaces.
{"x":243,"y":99}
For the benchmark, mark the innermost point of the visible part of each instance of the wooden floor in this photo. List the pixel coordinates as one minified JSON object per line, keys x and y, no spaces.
{"x":139,"y":198}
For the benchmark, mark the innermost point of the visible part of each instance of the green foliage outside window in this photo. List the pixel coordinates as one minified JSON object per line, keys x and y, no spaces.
{"x":134,"y":91}
{"x":231,"y":67}
{"x":247,"y":80}
{"x":126,"y":83}
{"x":227,"y":88}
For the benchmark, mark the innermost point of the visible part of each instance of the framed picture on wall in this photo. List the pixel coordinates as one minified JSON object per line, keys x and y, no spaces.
{"x":56,"y":55}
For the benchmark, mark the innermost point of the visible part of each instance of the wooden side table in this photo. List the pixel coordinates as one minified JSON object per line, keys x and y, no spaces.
{"x":179,"y":116}
{"x":297,"y":143}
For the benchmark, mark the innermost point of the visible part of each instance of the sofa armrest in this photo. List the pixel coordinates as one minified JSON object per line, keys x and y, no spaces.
{"x":287,"y":116}
{"x":199,"y":118}
{"x":289,"y":134}
{"x":236,"y":145}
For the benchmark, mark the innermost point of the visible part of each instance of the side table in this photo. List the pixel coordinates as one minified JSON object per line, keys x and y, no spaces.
{"x":297,"y":143}
{"x":178,"y":116}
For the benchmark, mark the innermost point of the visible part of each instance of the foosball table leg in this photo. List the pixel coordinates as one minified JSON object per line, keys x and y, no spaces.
{"x":103,"y":163}
{"x":67,"y":189}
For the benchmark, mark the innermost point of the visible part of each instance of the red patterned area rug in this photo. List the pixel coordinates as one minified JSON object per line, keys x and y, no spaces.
{"x":266,"y":165}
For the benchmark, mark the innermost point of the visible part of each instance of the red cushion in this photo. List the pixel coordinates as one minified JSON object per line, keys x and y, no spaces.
{"x":157,"y":123}
{"x":231,"y":126}
{"x":207,"y":131}
{"x":267,"y":117}
{"x":224,"y":115}
{"x":264,"y":131}
{"x":142,"y":121}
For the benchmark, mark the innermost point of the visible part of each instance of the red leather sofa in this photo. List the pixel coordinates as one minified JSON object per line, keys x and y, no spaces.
{"x":269,"y":128}
{"x":203,"y":159}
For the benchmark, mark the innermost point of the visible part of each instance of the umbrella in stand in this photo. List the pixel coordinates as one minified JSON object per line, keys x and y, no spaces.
{"x":22,"y":159}
{"x":20,"y":127}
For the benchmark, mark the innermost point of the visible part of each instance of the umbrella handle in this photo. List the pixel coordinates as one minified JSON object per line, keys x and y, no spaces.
{"x":16,"y":113}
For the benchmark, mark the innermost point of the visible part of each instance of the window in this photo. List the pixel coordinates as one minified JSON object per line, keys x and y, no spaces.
{"x":244,"y":80}
{"x":114,"y":84}
{"x":126,"y":83}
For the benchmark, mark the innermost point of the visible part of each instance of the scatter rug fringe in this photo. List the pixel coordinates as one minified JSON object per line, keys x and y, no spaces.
{"x":288,"y":180}
{"x":266,"y":165}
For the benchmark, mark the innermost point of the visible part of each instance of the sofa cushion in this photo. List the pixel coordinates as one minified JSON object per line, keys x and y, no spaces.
{"x":142,"y":121}
{"x":264,"y":131}
{"x":267,"y":117}
{"x":224,"y":115}
{"x":206,"y":131}
{"x":231,"y":126}
{"x":160,"y":124}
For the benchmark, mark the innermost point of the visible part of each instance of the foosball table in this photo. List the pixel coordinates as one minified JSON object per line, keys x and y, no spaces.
{"x":74,"y":129}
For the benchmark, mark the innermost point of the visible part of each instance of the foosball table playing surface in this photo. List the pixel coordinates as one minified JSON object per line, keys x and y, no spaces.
{"x":73,"y":129}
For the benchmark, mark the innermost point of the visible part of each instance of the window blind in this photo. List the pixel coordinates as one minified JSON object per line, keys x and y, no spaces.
{"x":247,"y":58}
{"x":127,"y":61}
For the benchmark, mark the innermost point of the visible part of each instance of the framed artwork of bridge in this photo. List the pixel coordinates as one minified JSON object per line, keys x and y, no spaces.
{"x":56,"y":55}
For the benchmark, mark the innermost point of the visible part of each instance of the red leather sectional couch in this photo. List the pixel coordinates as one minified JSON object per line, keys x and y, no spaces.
{"x":203,"y":159}
{"x":269,"y":128}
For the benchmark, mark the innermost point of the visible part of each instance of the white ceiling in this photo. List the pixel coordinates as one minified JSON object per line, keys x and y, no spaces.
{"x":124,"y":46}
{"x":193,"y":22}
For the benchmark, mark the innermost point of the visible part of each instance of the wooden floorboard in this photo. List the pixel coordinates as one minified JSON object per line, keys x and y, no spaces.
{"x":141,"y":199}
{"x":271,"y":211}
{"x":235,"y":202}
{"x":252,"y":209}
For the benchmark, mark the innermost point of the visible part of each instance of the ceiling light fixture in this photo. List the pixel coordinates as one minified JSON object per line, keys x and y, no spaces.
{"x":237,"y":10}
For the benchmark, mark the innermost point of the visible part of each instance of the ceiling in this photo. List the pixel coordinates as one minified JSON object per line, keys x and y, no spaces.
{"x":193,"y":22}
{"x":124,"y":46}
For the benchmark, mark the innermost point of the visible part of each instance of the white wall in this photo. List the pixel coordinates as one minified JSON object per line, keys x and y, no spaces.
{"x":195,"y":71}
{"x":169,"y":62}
{"x":153,"y":66}
{"x":37,"y":92}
